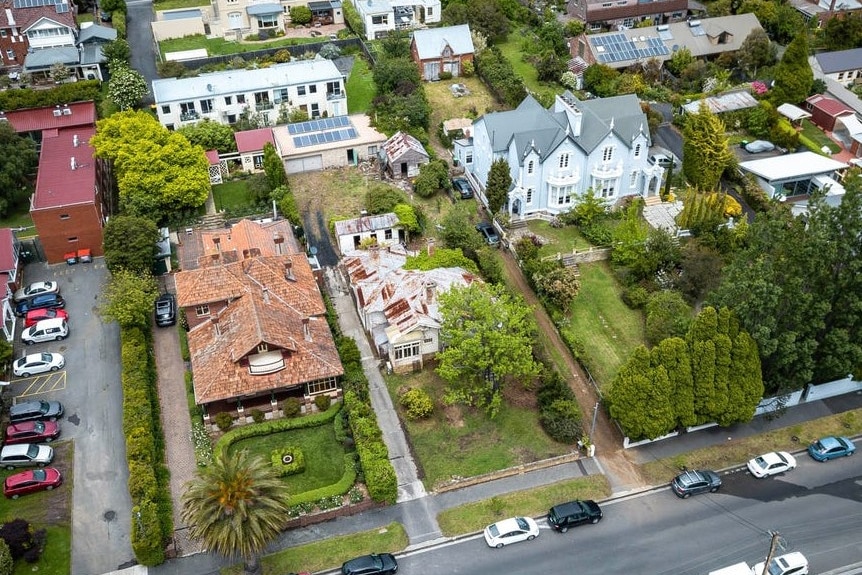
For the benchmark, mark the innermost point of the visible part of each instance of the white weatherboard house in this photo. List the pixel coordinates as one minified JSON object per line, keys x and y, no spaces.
{"x":555,"y":155}
{"x":383,"y":16}
{"x":315,"y":86}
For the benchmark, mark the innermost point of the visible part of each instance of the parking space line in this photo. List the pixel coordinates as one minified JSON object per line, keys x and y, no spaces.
{"x":39,"y":384}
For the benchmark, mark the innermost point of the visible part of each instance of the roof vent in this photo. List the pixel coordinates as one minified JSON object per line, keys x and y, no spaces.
{"x":75,"y":140}
{"x":67,"y":111}
{"x":73,"y":164}
{"x":663,"y":28}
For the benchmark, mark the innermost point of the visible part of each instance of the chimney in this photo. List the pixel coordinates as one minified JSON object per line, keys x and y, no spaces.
{"x":215,"y":257}
{"x":430,"y":291}
{"x":288,"y":271}
{"x":277,"y":239}
{"x":245,"y":254}
{"x":265,"y":294}
{"x":216,"y":324}
{"x":305,"y":330}
{"x":217,"y":242}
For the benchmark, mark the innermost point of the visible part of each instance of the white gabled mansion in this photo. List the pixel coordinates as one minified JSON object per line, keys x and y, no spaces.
{"x":555,"y":155}
{"x":315,"y":86}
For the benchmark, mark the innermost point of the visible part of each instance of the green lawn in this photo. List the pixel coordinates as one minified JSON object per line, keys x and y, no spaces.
{"x":815,"y":134}
{"x":562,"y":240}
{"x":511,"y":49}
{"x":176,"y":4}
{"x":232,"y":194}
{"x":360,"y":87}
{"x":324,"y":456}
{"x":606,"y":328}
{"x":458,"y":441}
{"x":221,"y":47}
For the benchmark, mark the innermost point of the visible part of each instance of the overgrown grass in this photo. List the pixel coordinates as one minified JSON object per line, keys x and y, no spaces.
{"x":738,"y":451}
{"x":330,"y":553}
{"x":19,"y":217}
{"x":460,"y":441}
{"x":222,"y":47}
{"x":513,"y":52}
{"x":324,"y":456}
{"x":360,"y":87}
{"x":561,"y":240}
{"x":530,"y":502}
{"x":232,"y":194}
{"x":599,"y":320}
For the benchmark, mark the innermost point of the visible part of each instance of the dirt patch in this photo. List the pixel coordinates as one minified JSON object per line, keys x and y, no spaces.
{"x":445,"y":106}
{"x":517,"y":395}
{"x":453,"y":415}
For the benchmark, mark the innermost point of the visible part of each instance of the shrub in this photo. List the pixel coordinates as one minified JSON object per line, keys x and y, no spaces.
{"x":562,"y":420}
{"x":381,"y":480}
{"x":275,"y":426}
{"x":445,"y":75}
{"x":6,"y":561}
{"x":224,"y":420}
{"x":303,"y":500}
{"x":292,"y":407}
{"x":417,"y":403}
{"x":23,"y":540}
{"x":323,"y":402}
{"x":636,"y":297}
{"x":288,"y":460}
{"x":258,"y":416}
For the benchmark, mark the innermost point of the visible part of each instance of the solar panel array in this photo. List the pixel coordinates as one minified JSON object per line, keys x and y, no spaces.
{"x":322,"y":131}
{"x":619,"y":48}
{"x":62,"y":6}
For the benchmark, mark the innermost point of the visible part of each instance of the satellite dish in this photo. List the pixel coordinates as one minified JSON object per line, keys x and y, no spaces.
{"x":312,"y":250}
{"x":209,"y":87}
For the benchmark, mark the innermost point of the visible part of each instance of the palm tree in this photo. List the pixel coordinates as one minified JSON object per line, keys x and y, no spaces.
{"x":235,"y":507}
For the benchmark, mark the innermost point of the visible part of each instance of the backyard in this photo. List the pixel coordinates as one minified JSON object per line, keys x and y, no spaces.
{"x":445,"y":106}
{"x":221,"y":47}
{"x":513,"y":51}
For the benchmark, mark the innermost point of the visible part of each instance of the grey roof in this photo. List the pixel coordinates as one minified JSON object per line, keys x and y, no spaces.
{"x":366,"y":224}
{"x":92,"y":54}
{"x":530,"y":126}
{"x":430,"y":42}
{"x":265,"y":8}
{"x":840,"y":61}
{"x":728,"y":102}
{"x":96,"y":33}
{"x":47,"y":57}
{"x":233,"y":81}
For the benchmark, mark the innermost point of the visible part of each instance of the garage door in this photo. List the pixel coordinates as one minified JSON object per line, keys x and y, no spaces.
{"x":309,"y":164}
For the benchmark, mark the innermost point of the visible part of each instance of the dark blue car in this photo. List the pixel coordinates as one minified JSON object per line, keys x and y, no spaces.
{"x":41,"y":301}
{"x":831,"y":447}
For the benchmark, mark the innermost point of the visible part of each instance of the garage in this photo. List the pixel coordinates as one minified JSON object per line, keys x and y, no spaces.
{"x":309,"y":164}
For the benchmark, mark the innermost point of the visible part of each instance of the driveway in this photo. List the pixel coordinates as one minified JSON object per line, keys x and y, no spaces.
{"x":139,"y":14}
{"x":92,"y":397}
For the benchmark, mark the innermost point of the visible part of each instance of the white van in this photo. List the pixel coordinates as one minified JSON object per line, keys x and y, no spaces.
{"x":661,"y":160}
{"x":53,"y":329}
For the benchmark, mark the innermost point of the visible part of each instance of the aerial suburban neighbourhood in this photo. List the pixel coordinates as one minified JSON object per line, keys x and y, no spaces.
{"x":379,"y":286}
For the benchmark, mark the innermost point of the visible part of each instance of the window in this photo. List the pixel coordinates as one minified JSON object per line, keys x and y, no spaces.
{"x":3,"y":33}
{"x":628,"y":22}
{"x":228,"y":100}
{"x":281,"y":95}
{"x":300,"y":90}
{"x":562,"y":195}
{"x":263,"y":363}
{"x":312,"y":89}
{"x":64,"y":216}
{"x":267,"y":21}
{"x":607,"y":188}
{"x":333,"y":87}
{"x":258,"y":162}
{"x":840,"y":75}
{"x":10,"y":54}
{"x":322,"y":385}
{"x":429,"y":11}
{"x":202,"y":310}
{"x":407,"y":351}
{"x":315,"y":110}
{"x":638,"y":151}
{"x":372,"y":150}
{"x":387,"y":234}
{"x":231,"y":118}
{"x":676,"y":15}
{"x":187,"y":107}
{"x":262,"y":348}
{"x":607,"y":4}
{"x":633,"y":181}
{"x":240,"y":99}
{"x":166,"y":109}
{"x":530,"y":166}
{"x":72,"y":240}
{"x":380,"y":19}
{"x":170,"y":127}
{"x":564,"y":160}
{"x":468,"y":158}
{"x":595,"y":27}
{"x":530,"y":195}
{"x":608,"y":154}
{"x":206,"y":106}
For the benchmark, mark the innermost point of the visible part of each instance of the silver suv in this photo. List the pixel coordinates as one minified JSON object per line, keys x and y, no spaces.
{"x":26,"y":455}
{"x":690,"y":483}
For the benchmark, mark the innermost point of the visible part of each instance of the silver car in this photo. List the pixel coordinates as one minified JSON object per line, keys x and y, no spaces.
{"x":26,"y":455}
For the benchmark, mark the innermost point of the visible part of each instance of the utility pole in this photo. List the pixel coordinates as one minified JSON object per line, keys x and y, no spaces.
{"x":772,"y":546}
{"x":595,"y":415}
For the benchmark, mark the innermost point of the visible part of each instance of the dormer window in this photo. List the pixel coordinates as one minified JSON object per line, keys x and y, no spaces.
{"x":264,"y":363}
{"x":202,"y":310}
{"x":262,"y":348}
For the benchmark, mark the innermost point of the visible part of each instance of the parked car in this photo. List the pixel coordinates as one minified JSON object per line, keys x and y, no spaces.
{"x":105,"y":16}
{"x":690,"y":483}
{"x":790,"y":564}
{"x":510,"y":531}
{"x":35,"y":289}
{"x":37,"y":315}
{"x":660,"y":160}
{"x":26,"y":455}
{"x":166,"y":310}
{"x":32,"y":481}
{"x":573,"y":513}
{"x":771,"y":463}
{"x":488,"y":233}
{"x":41,"y":301}
{"x":46,"y":330}
{"x":758,"y":146}
{"x":831,"y":447}
{"x":37,"y":363}
{"x":461,"y":188}
{"x":374,"y":564}
{"x":36,"y":411}
{"x":32,"y":432}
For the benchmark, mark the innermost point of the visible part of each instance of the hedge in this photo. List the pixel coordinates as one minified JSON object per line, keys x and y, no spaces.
{"x":82,"y":91}
{"x":341,"y":487}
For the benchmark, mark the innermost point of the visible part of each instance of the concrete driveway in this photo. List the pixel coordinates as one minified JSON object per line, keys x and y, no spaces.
{"x":139,"y":14}
{"x":90,"y":391}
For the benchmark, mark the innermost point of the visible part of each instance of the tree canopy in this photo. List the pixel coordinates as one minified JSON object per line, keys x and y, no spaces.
{"x":17,"y":162}
{"x":130,"y":244}
{"x":499,"y":182}
{"x":210,"y":135}
{"x":793,"y":74}
{"x":488,"y":334}
{"x":129,"y":298}
{"x":126,"y":87}
{"x":705,"y":149}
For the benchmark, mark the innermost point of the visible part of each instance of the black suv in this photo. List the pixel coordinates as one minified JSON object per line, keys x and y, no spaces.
{"x":41,"y":301}
{"x":461,"y":188}
{"x":573,"y":513}
{"x":690,"y":483}
{"x":374,"y":564}
{"x":36,"y":410}
{"x":489,"y":234}
{"x":166,"y":310}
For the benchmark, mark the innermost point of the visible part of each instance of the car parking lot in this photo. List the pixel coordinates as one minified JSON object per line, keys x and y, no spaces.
{"x":89,"y":389}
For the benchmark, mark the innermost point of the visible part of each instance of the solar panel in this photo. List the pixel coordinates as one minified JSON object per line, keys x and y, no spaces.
{"x":619,"y":48}
{"x":697,"y":31}
{"x":322,"y":131}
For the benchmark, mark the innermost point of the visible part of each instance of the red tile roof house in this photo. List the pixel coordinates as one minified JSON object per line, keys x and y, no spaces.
{"x":825,"y":110}
{"x":249,"y":144}
{"x":10,"y":249}
{"x":34,"y":25}
{"x":257,"y":328}
{"x":68,"y":207}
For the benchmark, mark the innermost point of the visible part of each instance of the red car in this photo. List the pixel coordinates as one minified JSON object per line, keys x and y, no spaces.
{"x":32,"y":432}
{"x":35,"y":315}
{"x":31,"y":481}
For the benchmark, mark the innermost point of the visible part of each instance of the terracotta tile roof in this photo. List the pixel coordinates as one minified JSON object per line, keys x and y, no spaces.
{"x":67,"y":169}
{"x":216,"y":349}
{"x":37,"y":119}
{"x":253,"y":140}
{"x":247,"y":235}
{"x":25,"y":17}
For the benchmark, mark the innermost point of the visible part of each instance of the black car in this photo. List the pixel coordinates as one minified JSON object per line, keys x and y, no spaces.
{"x":573,"y":513}
{"x":36,"y":410}
{"x":374,"y":564}
{"x":488,"y":233}
{"x":41,"y":301}
{"x":166,"y":310}
{"x":105,"y":16}
{"x":461,"y":188}
{"x":690,"y":483}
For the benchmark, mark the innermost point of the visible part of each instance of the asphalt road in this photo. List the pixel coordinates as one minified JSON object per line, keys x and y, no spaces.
{"x":817,"y":509}
{"x":139,"y":14}
{"x":90,"y":391}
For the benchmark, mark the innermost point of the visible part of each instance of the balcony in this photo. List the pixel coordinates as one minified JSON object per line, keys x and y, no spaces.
{"x":564,"y":177}
{"x":189,"y":116}
{"x":605,"y":171}
{"x":335,"y":95}
{"x":260,"y":106}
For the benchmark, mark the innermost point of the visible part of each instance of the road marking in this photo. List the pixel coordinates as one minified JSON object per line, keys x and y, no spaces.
{"x":44,"y":383}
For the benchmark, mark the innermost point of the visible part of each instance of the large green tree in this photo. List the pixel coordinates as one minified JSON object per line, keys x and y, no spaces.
{"x":793,"y":74}
{"x":640,"y":398}
{"x":488,"y":334}
{"x":210,"y":135}
{"x":497,"y":188}
{"x":485,"y":16}
{"x":17,"y":162}
{"x":130,"y":243}
{"x":129,"y":298}
{"x":126,"y":87}
{"x":705,"y":149}
{"x":236,"y":506}
{"x":273,"y":167}
{"x":757,"y":51}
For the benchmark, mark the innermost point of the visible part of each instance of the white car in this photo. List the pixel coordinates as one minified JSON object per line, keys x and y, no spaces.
{"x":511,"y":530}
{"x":37,"y":363}
{"x":771,"y":464}
{"x":791,"y":564}
{"x":35,"y":289}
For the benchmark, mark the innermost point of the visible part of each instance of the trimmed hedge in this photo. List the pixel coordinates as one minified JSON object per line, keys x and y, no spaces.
{"x":341,"y":487}
{"x":297,"y":465}
{"x":20,"y":98}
